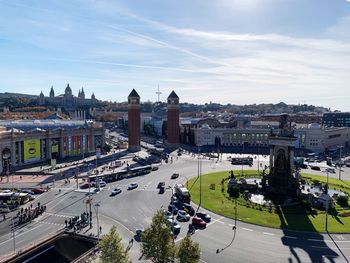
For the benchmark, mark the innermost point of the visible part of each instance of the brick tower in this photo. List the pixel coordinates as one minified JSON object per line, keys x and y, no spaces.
{"x":173,"y":120}
{"x":134,"y":121}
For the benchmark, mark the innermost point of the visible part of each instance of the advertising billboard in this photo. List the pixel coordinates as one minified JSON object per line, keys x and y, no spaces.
{"x":32,"y":150}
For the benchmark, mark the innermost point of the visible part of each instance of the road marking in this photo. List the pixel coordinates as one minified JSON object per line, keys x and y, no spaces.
{"x":269,"y":234}
{"x":247,"y":229}
{"x":340,"y":237}
{"x":20,"y":234}
{"x":290,"y":237}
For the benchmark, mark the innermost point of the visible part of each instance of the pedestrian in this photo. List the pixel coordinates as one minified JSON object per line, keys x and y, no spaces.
{"x":100,"y":229}
{"x":4,"y":216}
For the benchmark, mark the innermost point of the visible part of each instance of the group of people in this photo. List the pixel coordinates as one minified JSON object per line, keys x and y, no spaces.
{"x":29,"y":213}
{"x":78,"y":222}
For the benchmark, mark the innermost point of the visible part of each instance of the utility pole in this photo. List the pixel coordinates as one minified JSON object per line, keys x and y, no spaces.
{"x":327,"y":205}
{"x":96,"y":206}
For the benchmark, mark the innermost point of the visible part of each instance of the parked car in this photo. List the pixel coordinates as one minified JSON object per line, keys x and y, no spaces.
{"x":198,"y":222}
{"x":85,"y":186}
{"x":188,"y":209}
{"x":175,"y":227}
{"x":204,"y":216}
{"x":303,"y":166}
{"x":132,"y":186}
{"x":139,"y":232}
{"x":116,"y":191}
{"x":155,"y":168}
{"x":330,"y":170}
{"x":183,"y":216}
{"x":38,"y":191}
{"x":174,"y":175}
{"x":168,"y":214}
{"x":316,"y":168}
{"x":173,"y":209}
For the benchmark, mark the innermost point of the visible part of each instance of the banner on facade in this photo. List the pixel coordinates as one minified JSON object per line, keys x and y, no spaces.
{"x":54,"y":146}
{"x":32,"y":150}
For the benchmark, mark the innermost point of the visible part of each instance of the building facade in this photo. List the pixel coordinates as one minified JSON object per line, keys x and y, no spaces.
{"x":336,"y":119}
{"x":67,"y":100}
{"x":34,"y":141}
{"x":134,"y":121}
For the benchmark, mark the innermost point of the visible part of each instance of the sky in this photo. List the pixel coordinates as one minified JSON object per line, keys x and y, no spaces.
{"x":223,"y":51}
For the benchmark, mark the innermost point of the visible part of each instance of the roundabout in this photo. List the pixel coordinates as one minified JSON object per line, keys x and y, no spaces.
{"x":215,"y":198}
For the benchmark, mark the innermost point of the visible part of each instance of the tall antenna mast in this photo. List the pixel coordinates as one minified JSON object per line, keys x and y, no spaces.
{"x":158,"y":93}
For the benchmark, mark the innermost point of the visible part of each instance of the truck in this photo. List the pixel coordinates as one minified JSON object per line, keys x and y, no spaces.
{"x":182,"y":193}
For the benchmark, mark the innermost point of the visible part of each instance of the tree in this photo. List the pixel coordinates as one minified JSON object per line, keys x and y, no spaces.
{"x":188,"y":251}
{"x":112,"y":250}
{"x":157,"y":242}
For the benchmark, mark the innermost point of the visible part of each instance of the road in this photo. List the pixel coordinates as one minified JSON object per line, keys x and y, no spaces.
{"x":134,"y":209}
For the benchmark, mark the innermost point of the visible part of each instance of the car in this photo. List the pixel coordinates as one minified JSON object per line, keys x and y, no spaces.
{"x":183,"y":216}
{"x":175,"y":227}
{"x":155,"y":168}
{"x":174,"y":175}
{"x":85,"y":186}
{"x":38,"y":191}
{"x":173,"y":209}
{"x":27,"y":191}
{"x":132,"y":186}
{"x":167,"y":214}
{"x":178,"y":204}
{"x":161,"y":184}
{"x":198,"y":222}
{"x":330,"y":170}
{"x":188,"y":209}
{"x":204,"y":216}
{"x":316,"y":168}
{"x":99,"y":183}
{"x":179,"y":154}
{"x":31,"y":197}
{"x":116,"y":191}
{"x":303,"y":166}
{"x":174,"y":198}
{"x":138,"y":233}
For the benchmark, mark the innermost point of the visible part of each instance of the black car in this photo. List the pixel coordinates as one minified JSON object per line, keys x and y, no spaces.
{"x":204,"y":216}
{"x":316,"y":168}
{"x":173,"y":209}
{"x":188,"y":208}
{"x":160,"y":185}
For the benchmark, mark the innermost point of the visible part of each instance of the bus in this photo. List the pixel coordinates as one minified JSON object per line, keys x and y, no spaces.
{"x":182,"y":193}
{"x":109,"y":177}
{"x":14,"y":198}
{"x":140,"y":170}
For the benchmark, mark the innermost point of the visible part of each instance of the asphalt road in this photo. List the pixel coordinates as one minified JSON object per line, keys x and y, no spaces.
{"x":134,"y":209}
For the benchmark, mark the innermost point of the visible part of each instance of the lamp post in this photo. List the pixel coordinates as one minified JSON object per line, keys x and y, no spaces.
{"x":340,"y":162}
{"x":200,"y":177}
{"x":172,"y":215}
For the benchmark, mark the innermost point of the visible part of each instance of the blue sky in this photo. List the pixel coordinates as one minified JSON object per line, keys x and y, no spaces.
{"x":226,"y":51}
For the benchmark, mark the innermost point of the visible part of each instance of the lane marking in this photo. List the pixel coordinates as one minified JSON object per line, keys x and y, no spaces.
{"x":269,"y":234}
{"x":247,"y":229}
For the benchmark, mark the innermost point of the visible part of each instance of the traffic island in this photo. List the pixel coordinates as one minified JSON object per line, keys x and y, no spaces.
{"x":300,"y":216}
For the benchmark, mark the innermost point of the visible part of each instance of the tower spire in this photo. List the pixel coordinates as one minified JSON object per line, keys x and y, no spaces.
{"x":158,"y":93}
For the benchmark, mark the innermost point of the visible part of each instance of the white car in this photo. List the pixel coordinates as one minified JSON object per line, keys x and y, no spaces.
{"x":132,"y":186}
{"x":99,"y":183}
{"x":183,"y":216}
{"x":116,"y":191}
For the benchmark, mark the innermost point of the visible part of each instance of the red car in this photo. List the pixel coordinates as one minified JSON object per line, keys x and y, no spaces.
{"x":198,"y":222}
{"x":85,"y":186}
{"x":38,"y":191}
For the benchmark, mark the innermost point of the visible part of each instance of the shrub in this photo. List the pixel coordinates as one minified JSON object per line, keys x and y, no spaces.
{"x":234,"y":192}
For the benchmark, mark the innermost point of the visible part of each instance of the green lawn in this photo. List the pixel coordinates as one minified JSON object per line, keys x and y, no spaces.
{"x":218,"y":202}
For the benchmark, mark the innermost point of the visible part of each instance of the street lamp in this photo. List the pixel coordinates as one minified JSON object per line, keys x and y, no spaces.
{"x":200,"y":178}
{"x":327,"y":203}
{"x":340,"y":162}
{"x":172,"y":215}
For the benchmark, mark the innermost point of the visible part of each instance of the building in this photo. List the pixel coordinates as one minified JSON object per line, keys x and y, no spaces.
{"x":317,"y":138}
{"x":24,"y":142}
{"x":173,"y":125}
{"x":69,"y":102}
{"x":134,"y":121}
{"x":336,"y":119}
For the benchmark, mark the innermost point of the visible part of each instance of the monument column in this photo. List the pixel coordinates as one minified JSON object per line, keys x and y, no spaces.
{"x":134,"y":120}
{"x":173,"y":120}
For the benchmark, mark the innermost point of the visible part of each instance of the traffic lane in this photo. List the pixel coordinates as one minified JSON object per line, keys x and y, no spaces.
{"x":134,"y":208}
{"x":26,"y":237}
{"x":258,"y":248}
